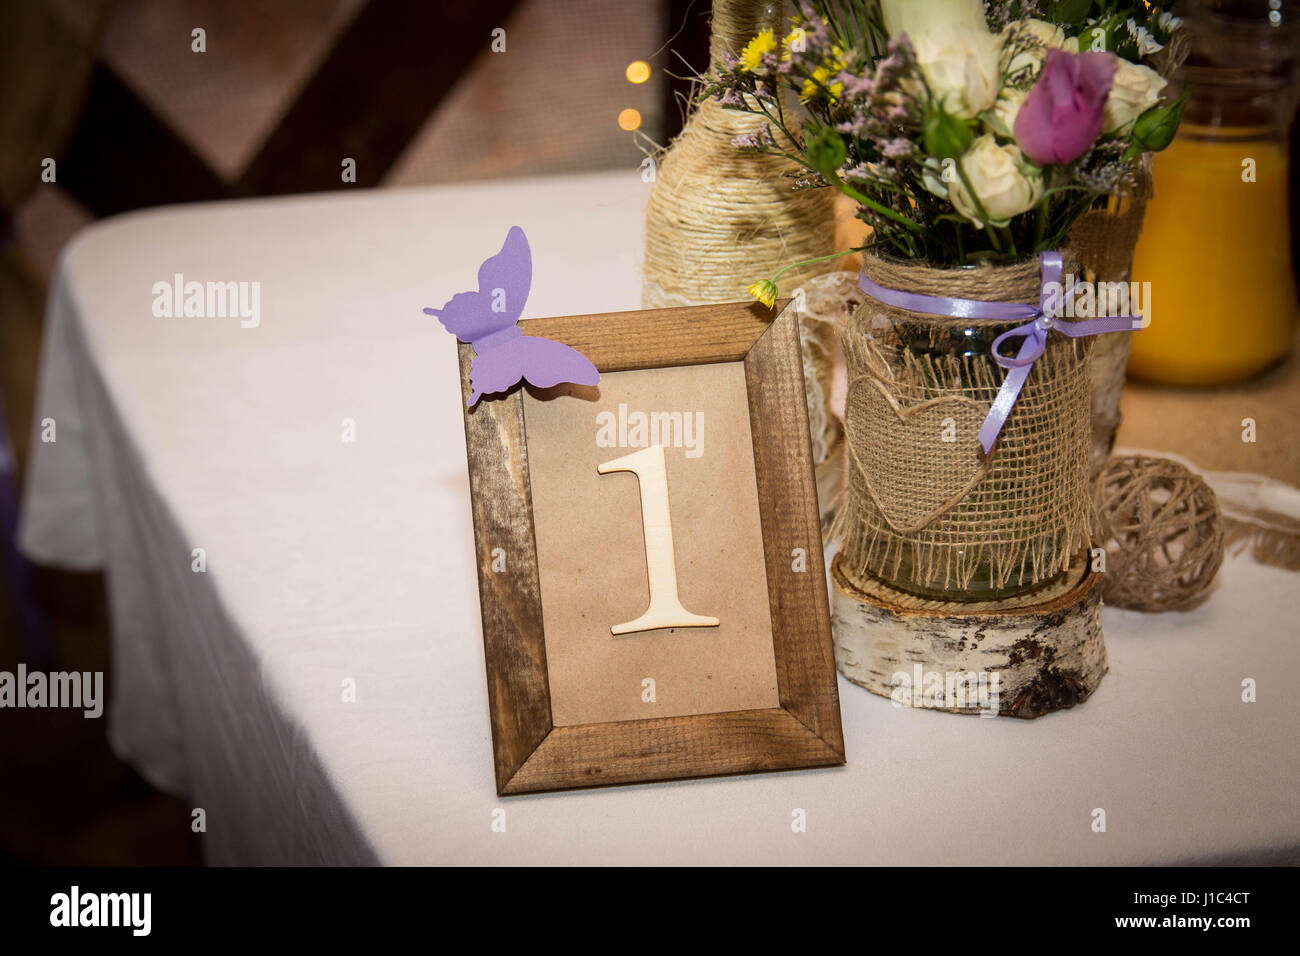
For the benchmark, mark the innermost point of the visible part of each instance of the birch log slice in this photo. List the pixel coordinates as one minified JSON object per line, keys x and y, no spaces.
{"x":1047,"y":655}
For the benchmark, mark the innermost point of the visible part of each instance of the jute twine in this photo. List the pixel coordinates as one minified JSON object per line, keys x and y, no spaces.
{"x":1104,"y":239}
{"x":824,"y":303}
{"x":720,"y":218}
{"x":1046,"y":598}
{"x":1163,"y":534}
{"x":927,"y":511}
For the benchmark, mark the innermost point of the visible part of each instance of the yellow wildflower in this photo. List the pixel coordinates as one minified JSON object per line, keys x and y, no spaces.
{"x":819,"y":79}
{"x":764,"y":291}
{"x":795,"y":42}
{"x":765,"y":42}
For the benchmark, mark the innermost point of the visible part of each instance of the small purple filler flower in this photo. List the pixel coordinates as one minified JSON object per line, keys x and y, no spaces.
{"x":1061,"y":116}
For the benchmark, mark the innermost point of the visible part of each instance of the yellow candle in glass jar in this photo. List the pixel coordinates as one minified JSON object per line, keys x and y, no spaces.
{"x":1215,"y":247}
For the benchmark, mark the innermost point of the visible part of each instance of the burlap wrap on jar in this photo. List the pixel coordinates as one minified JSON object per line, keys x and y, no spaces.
{"x":926,"y":510}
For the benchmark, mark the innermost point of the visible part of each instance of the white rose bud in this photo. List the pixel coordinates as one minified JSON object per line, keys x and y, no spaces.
{"x":915,"y":17}
{"x":1048,"y":34}
{"x":1002,"y":118}
{"x":961,"y":69}
{"x":1039,"y":35}
{"x":955,"y":50}
{"x":932,"y":177}
{"x":998,"y":176}
{"x":1136,"y":89}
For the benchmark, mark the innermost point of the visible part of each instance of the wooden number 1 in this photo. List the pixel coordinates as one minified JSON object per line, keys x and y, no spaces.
{"x":665,"y":608}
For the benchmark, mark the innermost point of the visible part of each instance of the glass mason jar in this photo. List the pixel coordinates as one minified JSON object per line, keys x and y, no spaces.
{"x":1216,"y":242}
{"x":926,"y":511}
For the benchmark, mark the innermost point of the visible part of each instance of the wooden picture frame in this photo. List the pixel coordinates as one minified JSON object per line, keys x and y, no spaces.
{"x":531,"y":753}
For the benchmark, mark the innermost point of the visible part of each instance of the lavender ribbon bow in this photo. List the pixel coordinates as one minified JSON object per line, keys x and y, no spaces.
{"x":1039,"y":321}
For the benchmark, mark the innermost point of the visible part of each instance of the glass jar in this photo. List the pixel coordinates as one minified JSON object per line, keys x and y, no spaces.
{"x":973,"y":346}
{"x":926,"y":511}
{"x":1216,"y":242}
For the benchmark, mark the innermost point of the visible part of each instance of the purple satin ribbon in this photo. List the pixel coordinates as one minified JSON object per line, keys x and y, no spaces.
{"x":1039,"y":321}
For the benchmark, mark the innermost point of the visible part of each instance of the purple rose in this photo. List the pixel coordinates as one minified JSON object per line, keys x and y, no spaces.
{"x":1062,"y":114}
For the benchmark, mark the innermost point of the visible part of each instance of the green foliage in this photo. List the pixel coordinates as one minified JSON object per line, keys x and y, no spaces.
{"x":825,"y":149}
{"x":946,"y":137}
{"x":1069,"y":12}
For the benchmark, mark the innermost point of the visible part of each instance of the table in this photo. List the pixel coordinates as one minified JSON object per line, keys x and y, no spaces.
{"x":333,"y":565}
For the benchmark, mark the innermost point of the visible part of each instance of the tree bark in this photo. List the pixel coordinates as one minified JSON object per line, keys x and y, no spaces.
{"x":1004,"y":657}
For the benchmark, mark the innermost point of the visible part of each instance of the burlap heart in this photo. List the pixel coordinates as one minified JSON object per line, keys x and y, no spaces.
{"x":938,"y":472}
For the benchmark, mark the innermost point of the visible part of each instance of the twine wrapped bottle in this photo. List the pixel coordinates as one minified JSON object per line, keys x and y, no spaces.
{"x":927,"y":512}
{"x":718,"y":218}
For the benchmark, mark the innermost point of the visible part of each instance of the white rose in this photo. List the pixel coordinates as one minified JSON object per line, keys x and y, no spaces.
{"x":1136,"y":89}
{"x":1002,"y":118}
{"x":961,"y":69}
{"x":915,"y":17}
{"x":997,"y":174}
{"x":955,"y":50}
{"x":1048,"y":34}
{"x":1039,"y":35}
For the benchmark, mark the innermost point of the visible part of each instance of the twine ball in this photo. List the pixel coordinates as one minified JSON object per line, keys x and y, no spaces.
{"x":1162,"y":531}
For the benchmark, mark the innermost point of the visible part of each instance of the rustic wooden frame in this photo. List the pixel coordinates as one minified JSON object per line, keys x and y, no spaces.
{"x":531,"y":754}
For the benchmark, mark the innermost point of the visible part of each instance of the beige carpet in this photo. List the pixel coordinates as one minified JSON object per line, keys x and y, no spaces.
{"x":1205,"y":424}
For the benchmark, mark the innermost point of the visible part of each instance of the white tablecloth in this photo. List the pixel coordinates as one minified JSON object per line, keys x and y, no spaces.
{"x":330,"y":561}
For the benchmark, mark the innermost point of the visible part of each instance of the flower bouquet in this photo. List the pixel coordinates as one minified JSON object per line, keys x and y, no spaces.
{"x":972,"y":137}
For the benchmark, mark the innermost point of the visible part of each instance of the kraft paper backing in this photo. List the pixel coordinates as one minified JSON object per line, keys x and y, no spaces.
{"x":592,"y":561}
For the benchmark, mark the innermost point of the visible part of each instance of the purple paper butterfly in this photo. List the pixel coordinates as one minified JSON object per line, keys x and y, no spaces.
{"x":489,"y":320}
